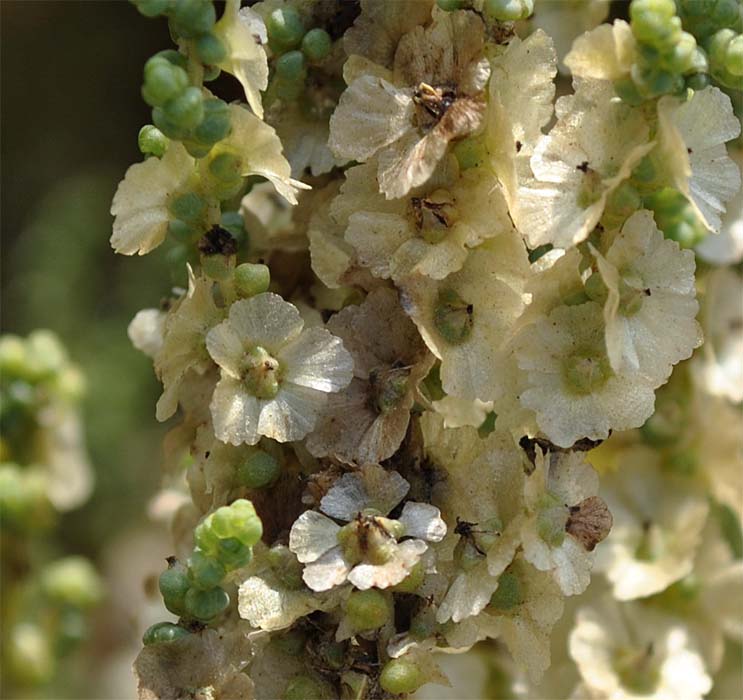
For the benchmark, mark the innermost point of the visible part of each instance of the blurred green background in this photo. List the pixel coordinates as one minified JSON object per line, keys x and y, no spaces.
{"x":71,"y":110}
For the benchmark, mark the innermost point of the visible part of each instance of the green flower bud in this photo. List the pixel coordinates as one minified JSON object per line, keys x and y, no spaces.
{"x":260,"y":469}
{"x":453,"y":317}
{"x":251,"y":279}
{"x":175,"y":57}
{"x":285,"y":28}
{"x":628,"y":92}
{"x":596,"y":289}
{"x":226,"y":166}
{"x":169,"y":127}
{"x":303,"y":687}
{"x":291,"y":68}
{"x":412,"y":582}
{"x":698,"y":81}
{"x":317,"y":44}
{"x":210,"y":49}
{"x":162,"y":81}
{"x":152,"y":141}
{"x":508,"y":594}
{"x":72,"y":581}
{"x":187,"y":109}
{"x":188,"y":207}
{"x":368,"y":610}
{"x":162,"y":632}
{"x":237,"y":520}
{"x":205,"y":572}
{"x":734,"y":56}
{"x":174,"y":583}
{"x":181,"y":231}
{"x":232,"y":222}
{"x":401,"y":676}
{"x":211,"y":73}
{"x":233,"y":554}
{"x":206,"y":605}
{"x":196,"y":149}
{"x":508,"y":10}
{"x":191,"y":18}
{"x":215,"y":124}
{"x":151,"y":8}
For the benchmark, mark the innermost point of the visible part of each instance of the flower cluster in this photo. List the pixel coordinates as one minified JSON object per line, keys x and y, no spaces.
{"x":421,"y":294}
{"x":44,"y":472}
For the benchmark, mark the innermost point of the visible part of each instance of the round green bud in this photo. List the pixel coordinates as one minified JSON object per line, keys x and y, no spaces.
{"x":174,"y":583}
{"x":285,"y":28}
{"x":187,"y":109}
{"x":317,"y":44}
{"x":215,"y":124}
{"x":72,"y":581}
{"x":237,"y":520}
{"x":595,"y":288}
{"x":285,"y":565}
{"x":211,"y":73}
{"x":734,"y":56}
{"x":175,"y":57}
{"x":303,"y":687}
{"x":191,"y":18}
{"x":252,"y":279}
{"x":367,"y":610}
{"x":205,"y":572}
{"x":151,"y":8}
{"x":681,"y":56}
{"x":232,"y":221}
{"x":508,"y":10}
{"x":206,"y":605}
{"x":226,"y":166}
{"x":196,"y":149}
{"x":188,"y":207}
{"x":726,"y":13}
{"x":181,"y":231}
{"x":152,"y":141}
{"x":233,"y":554}
{"x":698,"y":81}
{"x":401,"y":676}
{"x":449,"y":5}
{"x":162,"y":632}
{"x":291,"y":67}
{"x":163,"y":122}
{"x":210,"y":49}
{"x":163,"y":81}
{"x":628,"y":92}
{"x":260,"y":469}
{"x":717,"y":45}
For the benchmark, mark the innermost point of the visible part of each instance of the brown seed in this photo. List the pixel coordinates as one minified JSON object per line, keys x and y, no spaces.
{"x":589,"y":522}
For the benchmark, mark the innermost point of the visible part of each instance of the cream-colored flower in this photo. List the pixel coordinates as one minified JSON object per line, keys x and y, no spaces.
{"x":718,"y":367}
{"x":658,"y":523}
{"x":466,"y":318}
{"x":481,"y":490}
{"x":275,"y":375}
{"x":260,"y":152}
{"x":604,"y":53}
{"x":433,"y":96}
{"x":183,"y":348}
{"x":572,"y":387}
{"x":566,"y":519}
{"x":366,"y":422}
{"x":626,"y":651}
{"x":146,"y":331}
{"x":691,"y":150}
{"x":371,"y":550}
{"x":521,"y":612}
{"x":458,"y":413}
{"x":140,"y":205}
{"x":592,"y":149}
{"x":651,"y":306}
{"x":429,"y":232}
{"x":244,"y":35}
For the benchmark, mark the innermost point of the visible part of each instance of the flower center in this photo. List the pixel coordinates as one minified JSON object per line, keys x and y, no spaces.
{"x":586,"y":371}
{"x":388,"y":387}
{"x":262,"y":373}
{"x":453,"y":316}
{"x":508,"y":594}
{"x":370,"y":537}
{"x":432,"y":103}
{"x":551,"y":520}
{"x":637,"y":669}
{"x":434,"y":215}
{"x":591,"y":187}
{"x":632,"y":294}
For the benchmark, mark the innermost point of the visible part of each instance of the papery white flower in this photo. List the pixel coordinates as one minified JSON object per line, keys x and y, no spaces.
{"x":481,"y":490}
{"x":651,"y":307}
{"x":566,"y":519}
{"x":522,"y":91}
{"x":466,"y":318}
{"x":718,"y":367}
{"x":572,"y":388}
{"x":368,"y":552}
{"x":260,"y":151}
{"x":183,"y":346}
{"x":433,"y":96}
{"x":628,"y":651}
{"x":592,"y":149}
{"x":691,"y":149}
{"x":244,"y":35}
{"x":522,"y":613}
{"x":658,"y":522}
{"x":366,"y":422}
{"x":458,"y":413}
{"x":146,"y":331}
{"x":429,"y":232}
{"x":275,"y":375}
{"x":604,"y":53}
{"x":140,"y":205}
